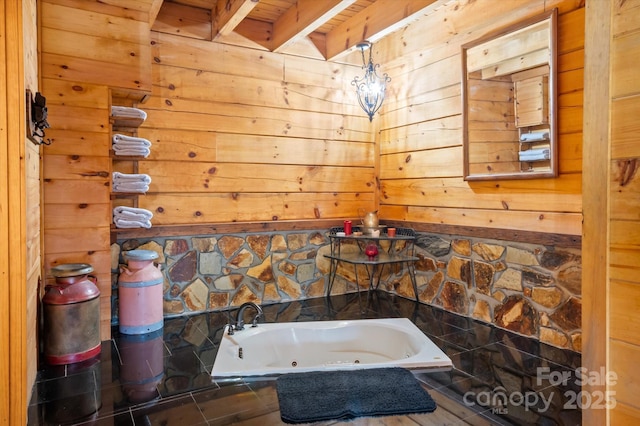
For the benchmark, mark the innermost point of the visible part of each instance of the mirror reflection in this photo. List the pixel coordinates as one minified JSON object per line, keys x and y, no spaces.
{"x":509,"y":102}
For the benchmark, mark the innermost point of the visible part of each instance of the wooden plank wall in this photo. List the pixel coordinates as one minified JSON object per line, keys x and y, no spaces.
{"x":239,"y":135}
{"x":624,"y":214}
{"x":87,"y":49}
{"x":421,"y":157}
{"x":12,"y":269}
{"x":242,"y":135}
{"x":5,"y":242}
{"x":596,"y":176}
{"x":19,"y":212}
{"x":33,"y":187}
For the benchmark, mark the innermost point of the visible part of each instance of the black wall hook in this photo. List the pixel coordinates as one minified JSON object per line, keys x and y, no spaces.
{"x":37,"y":118}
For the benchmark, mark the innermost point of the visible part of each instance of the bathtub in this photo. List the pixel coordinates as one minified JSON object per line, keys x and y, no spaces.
{"x":280,"y":348}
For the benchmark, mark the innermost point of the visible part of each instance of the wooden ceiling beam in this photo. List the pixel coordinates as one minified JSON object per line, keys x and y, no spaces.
{"x":154,"y":10}
{"x":319,"y":40}
{"x":228,"y":14}
{"x":302,"y":18}
{"x":182,"y":20}
{"x":259,"y":32}
{"x":381,"y":18}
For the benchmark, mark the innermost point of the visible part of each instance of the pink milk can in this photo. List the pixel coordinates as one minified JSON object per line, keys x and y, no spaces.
{"x":140,"y":293}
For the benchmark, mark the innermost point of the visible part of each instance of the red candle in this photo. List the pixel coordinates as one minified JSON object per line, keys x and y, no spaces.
{"x":347,"y":227}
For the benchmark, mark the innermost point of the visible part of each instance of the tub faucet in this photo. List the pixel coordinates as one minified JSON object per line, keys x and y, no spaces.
{"x":240,"y":317}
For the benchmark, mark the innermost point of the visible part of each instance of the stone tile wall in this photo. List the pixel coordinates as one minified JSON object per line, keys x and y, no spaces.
{"x":530,"y":289}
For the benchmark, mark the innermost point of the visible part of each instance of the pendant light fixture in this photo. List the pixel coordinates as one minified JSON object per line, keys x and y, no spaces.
{"x":370,"y":88}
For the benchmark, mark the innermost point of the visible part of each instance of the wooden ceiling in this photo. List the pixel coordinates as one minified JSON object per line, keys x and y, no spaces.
{"x":333,"y":26}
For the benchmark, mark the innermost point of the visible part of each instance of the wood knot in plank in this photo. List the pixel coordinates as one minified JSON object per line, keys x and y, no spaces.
{"x":626,"y":170}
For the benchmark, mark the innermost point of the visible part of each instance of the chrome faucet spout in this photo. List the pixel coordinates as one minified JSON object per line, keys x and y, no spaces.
{"x":240,"y":316}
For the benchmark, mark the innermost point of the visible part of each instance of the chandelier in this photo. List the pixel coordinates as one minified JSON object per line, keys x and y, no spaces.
{"x":370,"y":88}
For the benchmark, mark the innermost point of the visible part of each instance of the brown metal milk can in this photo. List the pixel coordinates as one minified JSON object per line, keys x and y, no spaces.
{"x":71,"y":311}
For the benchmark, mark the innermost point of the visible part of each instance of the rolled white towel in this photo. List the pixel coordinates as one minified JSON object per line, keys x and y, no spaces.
{"x":132,"y":213}
{"x":131,"y":177}
{"x":130,"y":141}
{"x":135,"y":152}
{"x":534,"y":136}
{"x":131,"y":145}
{"x":129,"y":112}
{"x":534,"y":154}
{"x":131,"y":187}
{"x":131,"y":217}
{"x":124,"y":223}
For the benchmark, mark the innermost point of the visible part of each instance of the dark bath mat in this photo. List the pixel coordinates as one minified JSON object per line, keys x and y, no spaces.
{"x":319,"y":395}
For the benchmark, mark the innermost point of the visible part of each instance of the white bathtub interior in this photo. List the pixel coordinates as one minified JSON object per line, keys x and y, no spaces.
{"x":280,"y":348}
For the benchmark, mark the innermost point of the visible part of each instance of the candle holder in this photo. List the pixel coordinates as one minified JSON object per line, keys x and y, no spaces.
{"x":371,"y":250}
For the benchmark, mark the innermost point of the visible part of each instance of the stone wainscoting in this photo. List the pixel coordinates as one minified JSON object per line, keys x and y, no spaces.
{"x":530,"y":289}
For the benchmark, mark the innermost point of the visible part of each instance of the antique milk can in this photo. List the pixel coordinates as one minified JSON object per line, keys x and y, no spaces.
{"x":71,"y":310}
{"x":140,"y":293}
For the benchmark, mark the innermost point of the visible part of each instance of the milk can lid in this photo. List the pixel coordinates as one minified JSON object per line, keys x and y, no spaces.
{"x":140,"y":255}
{"x":71,"y":270}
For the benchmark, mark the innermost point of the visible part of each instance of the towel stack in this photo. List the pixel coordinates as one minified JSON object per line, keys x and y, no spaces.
{"x":534,"y":154}
{"x":131,"y":145}
{"x":130,"y":182}
{"x":128,"y":112}
{"x":123,"y":216}
{"x":542,"y":135}
{"x":132,"y":217}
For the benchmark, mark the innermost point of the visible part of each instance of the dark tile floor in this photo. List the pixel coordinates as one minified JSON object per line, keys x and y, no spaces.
{"x":164,"y":378}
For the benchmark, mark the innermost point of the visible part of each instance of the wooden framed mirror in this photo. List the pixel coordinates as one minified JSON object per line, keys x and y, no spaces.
{"x":509,"y":92}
